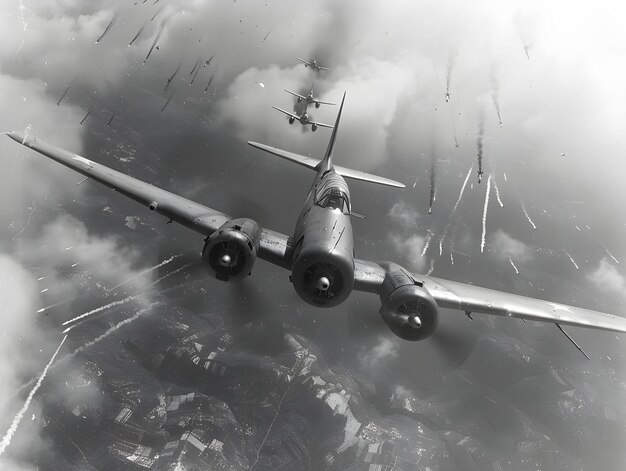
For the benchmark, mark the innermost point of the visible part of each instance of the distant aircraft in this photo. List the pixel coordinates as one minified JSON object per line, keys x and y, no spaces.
{"x":312,"y":64}
{"x":447,"y":97}
{"x":303,"y":118}
{"x":320,"y":252}
{"x":309,"y":98}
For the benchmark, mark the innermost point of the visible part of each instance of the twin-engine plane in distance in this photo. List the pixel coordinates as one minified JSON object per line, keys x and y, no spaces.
{"x":319,"y":254}
{"x":309,"y":98}
{"x":303,"y":119}
{"x":312,"y":64}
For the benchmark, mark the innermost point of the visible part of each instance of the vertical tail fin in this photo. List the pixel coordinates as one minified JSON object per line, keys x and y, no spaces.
{"x":327,"y":161}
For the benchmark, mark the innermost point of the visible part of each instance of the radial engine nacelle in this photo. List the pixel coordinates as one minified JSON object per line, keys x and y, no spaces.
{"x":407,"y":307}
{"x":230,"y":252}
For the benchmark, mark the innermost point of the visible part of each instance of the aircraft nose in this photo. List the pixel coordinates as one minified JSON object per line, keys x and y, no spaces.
{"x":225,"y":260}
{"x":415,"y":321}
{"x":323,"y":283}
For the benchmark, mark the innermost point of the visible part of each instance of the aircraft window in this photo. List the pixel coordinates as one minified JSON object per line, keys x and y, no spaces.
{"x":334,"y":200}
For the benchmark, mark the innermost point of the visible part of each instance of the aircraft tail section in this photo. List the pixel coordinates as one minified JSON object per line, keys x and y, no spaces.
{"x":313,"y":164}
{"x":327,"y":161}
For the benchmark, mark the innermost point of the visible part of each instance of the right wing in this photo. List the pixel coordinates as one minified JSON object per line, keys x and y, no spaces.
{"x":369,"y":277}
{"x":322,"y":124}
{"x":286,"y":112}
{"x":323,"y":68}
{"x":295,"y":94}
{"x":324,"y":102}
{"x":274,"y":246}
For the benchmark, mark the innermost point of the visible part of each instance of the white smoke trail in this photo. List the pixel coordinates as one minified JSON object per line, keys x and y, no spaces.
{"x":22,"y":19}
{"x":611,"y":255}
{"x":505,"y":177}
{"x":571,"y":259}
{"x":527,"y":216}
{"x":8,"y":436}
{"x":441,"y":245}
{"x":113,"y":329}
{"x":458,"y":200}
{"x":482,"y":242}
{"x":600,"y":243}
{"x":173,"y":272}
{"x":53,"y":305}
{"x":163,"y":263}
{"x":426,"y":244}
{"x":514,"y":267}
{"x":125,"y":300}
{"x":451,"y":258}
{"x":99,"y":309}
{"x":495,"y":187}
{"x":432,"y":267}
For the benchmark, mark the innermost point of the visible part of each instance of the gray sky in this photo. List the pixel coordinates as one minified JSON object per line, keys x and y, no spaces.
{"x":555,"y":70}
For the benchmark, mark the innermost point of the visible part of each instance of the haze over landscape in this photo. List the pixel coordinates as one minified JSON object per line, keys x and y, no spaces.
{"x":169,"y":91}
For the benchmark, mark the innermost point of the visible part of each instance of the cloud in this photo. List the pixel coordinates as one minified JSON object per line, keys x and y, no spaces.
{"x":22,"y":342}
{"x":384,"y":351}
{"x":404,"y":214}
{"x":410,"y":249}
{"x":505,"y":247}
{"x":607,"y":278}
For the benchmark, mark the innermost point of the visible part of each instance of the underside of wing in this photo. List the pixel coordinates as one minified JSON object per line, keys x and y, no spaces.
{"x":369,"y":276}
{"x":303,"y":160}
{"x":286,"y":112}
{"x":470,"y":298}
{"x":367,"y":177}
{"x":321,"y":124}
{"x":273,"y":246}
{"x":186,"y":212}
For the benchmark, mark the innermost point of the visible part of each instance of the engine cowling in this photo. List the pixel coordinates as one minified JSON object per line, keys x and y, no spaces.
{"x":407,"y":307}
{"x":314,"y":127}
{"x":322,"y":279}
{"x":230,"y":252}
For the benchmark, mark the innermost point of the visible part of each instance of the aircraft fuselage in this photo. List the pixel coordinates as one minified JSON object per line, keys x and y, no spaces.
{"x":323,"y":262}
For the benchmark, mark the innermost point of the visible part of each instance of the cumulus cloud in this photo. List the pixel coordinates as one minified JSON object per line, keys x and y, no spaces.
{"x":608,"y":279}
{"x":505,"y":247}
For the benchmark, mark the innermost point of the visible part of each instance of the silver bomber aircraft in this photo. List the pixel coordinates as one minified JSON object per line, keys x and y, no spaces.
{"x":320,"y":253}
{"x":309,"y":98}
{"x":312,"y":64}
{"x":303,"y":119}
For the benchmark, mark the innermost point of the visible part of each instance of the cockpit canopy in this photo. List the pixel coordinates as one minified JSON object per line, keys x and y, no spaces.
{"x":334,"y":199}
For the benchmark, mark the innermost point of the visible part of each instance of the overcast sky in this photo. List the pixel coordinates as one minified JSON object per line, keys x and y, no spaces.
{"x":554,"y":71}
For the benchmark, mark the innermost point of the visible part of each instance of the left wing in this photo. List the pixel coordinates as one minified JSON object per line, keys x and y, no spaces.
{"x":274,"y":246}
{"x":469,"y":298}
{"x":324,"y":102}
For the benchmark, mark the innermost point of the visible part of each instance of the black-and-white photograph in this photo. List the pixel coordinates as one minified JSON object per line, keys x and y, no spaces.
{"x":325,"y":235}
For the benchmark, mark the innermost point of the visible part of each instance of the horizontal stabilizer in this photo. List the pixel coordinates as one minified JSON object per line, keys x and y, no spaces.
{"x":303,"y":160}
{"x":367,"y":177}
{"x":312,"y":163}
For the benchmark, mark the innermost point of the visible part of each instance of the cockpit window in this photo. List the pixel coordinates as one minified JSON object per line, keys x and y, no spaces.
{"x":334,"y":199}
